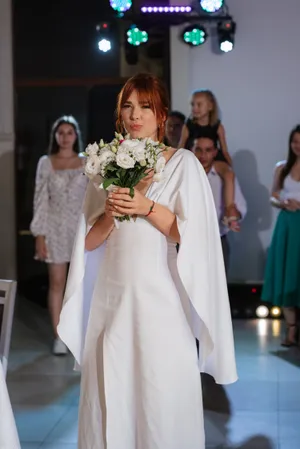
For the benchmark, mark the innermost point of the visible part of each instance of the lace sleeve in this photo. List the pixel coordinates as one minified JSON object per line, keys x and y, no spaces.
{"x":38,"y":225}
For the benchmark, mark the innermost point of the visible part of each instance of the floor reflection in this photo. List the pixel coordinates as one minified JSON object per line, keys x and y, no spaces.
{"x":260,"y":411}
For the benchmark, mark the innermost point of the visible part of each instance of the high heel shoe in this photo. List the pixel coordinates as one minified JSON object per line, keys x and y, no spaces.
{"x":288,"y":342}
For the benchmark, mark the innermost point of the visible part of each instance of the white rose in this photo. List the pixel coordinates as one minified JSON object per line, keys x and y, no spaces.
{"x":125,"y":161}
{"x":92,"y":149}
{"x":106,"y":157}
{"x":131,"y":143}
{"x":143,"y":163}
{"x":138,"y":153}
{"x":92,"y":166}
{"x":160,"y":165}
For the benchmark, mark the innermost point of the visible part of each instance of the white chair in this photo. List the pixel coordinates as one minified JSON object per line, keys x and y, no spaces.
{"x":7,"y":303}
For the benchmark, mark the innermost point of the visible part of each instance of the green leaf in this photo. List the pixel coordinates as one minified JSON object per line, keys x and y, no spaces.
{"x":109,"y":182}
{"x":111,"y":167}
{"x":131,"y":193}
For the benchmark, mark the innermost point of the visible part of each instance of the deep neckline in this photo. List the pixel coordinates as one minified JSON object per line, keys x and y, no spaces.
{"x":64,"y":169}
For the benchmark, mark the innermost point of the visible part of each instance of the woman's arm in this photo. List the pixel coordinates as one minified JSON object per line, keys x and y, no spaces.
{"x":275,"y":193}
{"x":223,"y":143}
{"x":38,"y":225}
{"x":165,"y":221}
{"x":184,"y":137}
{"x":99,"y":232}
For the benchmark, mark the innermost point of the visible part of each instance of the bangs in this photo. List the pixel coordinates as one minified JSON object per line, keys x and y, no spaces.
{"x":145,"y":95}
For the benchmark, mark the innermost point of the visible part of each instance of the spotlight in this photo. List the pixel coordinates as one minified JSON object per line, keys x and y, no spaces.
{"x":136,"y":37}
{"x":120,"y":5}
{"x":194,"y":35}
{"x":226,"y":31}
{"x":104,"y":45}
{"x":275,"y":311}
{"x":211,"y":6}
{"x":104,"y":38}
{"x":262,"y":312}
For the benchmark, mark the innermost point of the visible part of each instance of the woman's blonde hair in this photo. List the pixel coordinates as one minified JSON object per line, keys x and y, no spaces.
{"x":214,"y":113}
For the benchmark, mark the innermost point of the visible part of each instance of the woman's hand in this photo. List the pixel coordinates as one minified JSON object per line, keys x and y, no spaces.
{"x":291,"y":205}
{"x":41,"y":252}
{"x":110,"y":210}
{"x":121,"y":203}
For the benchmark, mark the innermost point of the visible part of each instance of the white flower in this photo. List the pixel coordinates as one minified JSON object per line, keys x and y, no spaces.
{"x":157,"y":177}
{"x":143,"y":163}
{"x":114,"y":149}
{"x":151,"y":142}
{"x":151,"y":161}
{"x":160,"y":165}
{"x":106,"y":157}
{"x":119,"y":136}
{"x":92,"y":166}
{"x":92,"y":149}
{"x":138,"y":153}
{"x":134,"y":148}
{"x":125,"y":161}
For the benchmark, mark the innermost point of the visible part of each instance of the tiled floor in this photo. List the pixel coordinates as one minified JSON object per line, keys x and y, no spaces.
{"x":260,"y":411}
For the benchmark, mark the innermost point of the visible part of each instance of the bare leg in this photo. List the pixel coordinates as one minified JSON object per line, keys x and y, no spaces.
{"x":291,"y":322}
{"x":57,"y":282}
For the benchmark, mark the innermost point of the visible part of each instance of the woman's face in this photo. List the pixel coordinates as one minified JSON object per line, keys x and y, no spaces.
{"x":65,"y":136}
{"x":138,"y":118}
{"x":295,"y":144}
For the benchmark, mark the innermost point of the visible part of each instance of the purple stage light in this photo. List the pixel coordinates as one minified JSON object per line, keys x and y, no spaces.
{"x":166,"y":9}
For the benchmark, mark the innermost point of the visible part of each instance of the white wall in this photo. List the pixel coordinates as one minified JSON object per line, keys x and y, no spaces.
{"x":258,"y":89}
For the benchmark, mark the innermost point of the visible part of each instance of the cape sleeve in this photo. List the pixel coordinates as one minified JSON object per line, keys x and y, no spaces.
{"x":201,"y":269}
{"x":84,"y":268}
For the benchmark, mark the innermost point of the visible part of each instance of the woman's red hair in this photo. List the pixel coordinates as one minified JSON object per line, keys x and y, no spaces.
{"x":150,"y":89}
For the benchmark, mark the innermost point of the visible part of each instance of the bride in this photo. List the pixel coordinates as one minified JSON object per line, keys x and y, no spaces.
{"x":133,"y":307}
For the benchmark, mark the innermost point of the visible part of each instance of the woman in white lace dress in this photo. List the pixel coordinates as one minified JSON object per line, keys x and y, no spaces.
{"x":59,"y":192}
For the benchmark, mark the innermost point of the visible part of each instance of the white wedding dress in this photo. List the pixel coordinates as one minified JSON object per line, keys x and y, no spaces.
{"x":132,"y":311}
{"x":8,"y":432}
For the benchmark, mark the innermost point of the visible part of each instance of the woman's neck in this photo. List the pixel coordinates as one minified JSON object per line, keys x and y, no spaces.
{"x":66,"y":153}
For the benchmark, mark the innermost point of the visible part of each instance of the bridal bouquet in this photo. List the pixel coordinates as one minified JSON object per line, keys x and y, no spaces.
{"x":124,"y":162}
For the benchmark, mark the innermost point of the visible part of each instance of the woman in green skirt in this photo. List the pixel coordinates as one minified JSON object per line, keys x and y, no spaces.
{"x":282,"y":276}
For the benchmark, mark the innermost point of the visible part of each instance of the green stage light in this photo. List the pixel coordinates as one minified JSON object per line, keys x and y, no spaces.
{"x":194,"y":35}
{"x":136,"y":37}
